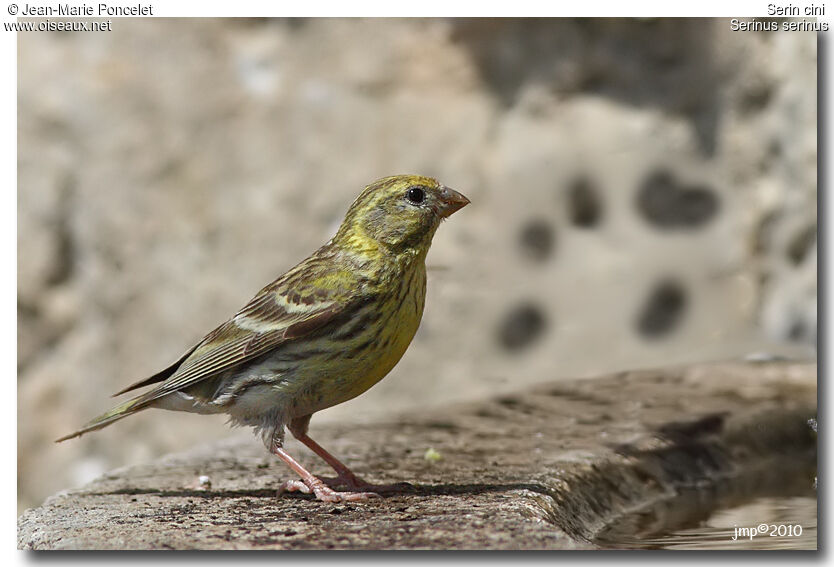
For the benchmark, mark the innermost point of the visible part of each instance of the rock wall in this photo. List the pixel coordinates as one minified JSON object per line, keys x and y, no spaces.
{"x":643,"y":192}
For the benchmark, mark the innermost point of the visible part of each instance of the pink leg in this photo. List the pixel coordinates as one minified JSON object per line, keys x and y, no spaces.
{"x":309,"y":483}
{"x":346,"y":477}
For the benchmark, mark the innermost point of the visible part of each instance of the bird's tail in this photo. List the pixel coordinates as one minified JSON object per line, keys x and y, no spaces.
{"x":120,"y":411}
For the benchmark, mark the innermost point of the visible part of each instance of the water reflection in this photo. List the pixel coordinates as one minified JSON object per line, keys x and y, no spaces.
{"x":710,"y":517}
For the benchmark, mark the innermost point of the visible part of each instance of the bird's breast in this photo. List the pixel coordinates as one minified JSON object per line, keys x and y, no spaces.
{"x":357,"y":354}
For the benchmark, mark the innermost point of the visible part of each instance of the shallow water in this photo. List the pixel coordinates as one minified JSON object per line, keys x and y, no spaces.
{"x":795,"y":518}
{"x":782,"y":516}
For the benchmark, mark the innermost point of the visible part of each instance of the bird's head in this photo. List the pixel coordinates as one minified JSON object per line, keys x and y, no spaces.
{"x":399,"y":213}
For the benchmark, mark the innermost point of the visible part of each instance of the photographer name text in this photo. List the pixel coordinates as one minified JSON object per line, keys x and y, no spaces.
{"x":87,"y":10}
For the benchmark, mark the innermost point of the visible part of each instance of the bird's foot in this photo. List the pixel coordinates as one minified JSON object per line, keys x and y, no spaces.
{"x":324,"y":492}
{"x":294,"y":486}
{"x":355,"y":483}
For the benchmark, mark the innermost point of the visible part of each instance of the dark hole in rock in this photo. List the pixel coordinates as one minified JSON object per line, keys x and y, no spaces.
{"x":801,"y":244}
{"x":696,"y":205}
{"x":663,"y":310}
{"x":523,"y":325}
{"x":584,"y":204}
{"x":656,"y":200}
{"x":537,"y":239}
{"x":756,"y":96}
{"x":668,"y":205}
{"x":801,"y":330}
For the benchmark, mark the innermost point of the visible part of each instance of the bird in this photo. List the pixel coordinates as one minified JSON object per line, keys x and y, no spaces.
{"x":319,"y":335}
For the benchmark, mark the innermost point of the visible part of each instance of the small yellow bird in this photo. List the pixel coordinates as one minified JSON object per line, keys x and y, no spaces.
{"x":319,"y":335}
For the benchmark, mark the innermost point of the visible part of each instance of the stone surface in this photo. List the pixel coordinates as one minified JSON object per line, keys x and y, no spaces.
{"x":549,"y":468}
{"x":643,"y":193}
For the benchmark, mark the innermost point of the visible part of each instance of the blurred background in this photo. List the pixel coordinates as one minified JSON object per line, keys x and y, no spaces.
{"x":643,"y":194}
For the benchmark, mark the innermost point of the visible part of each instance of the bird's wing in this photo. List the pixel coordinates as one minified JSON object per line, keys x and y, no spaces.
{"x":277,"y":314}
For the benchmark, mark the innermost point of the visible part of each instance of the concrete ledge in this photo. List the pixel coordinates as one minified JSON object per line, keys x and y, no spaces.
{"x":551,"y":468}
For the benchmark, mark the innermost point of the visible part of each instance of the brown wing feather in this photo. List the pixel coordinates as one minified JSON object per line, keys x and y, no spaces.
{"x":159,"y":376}
{"x":259,"y":305}
{"x":225,"y":352}
{"x":310,"y":324}
{"x":259,"y":327}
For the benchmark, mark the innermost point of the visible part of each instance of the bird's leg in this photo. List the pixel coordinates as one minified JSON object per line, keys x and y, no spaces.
{"x":346,"y":477}
{"x":309,"y":482}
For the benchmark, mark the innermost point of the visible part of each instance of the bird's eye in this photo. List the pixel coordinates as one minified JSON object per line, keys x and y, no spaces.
{"x":416,"y":195}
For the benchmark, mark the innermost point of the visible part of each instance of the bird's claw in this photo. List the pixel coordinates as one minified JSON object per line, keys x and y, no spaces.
{"x":294,"y":486}
{"x":327,"y":494}
{"x":324,"y":492}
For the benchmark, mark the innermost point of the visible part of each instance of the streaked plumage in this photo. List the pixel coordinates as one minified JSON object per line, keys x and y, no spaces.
{"x":319,"y":335}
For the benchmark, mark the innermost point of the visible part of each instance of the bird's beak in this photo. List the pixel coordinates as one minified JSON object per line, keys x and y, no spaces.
{"x":451,"y":201}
